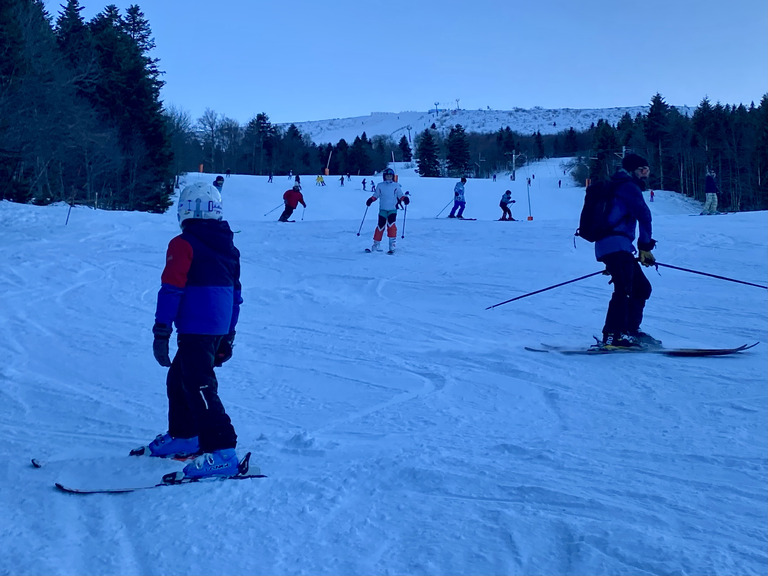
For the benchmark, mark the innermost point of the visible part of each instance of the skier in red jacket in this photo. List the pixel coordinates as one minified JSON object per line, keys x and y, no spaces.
{"x":292,"y":198}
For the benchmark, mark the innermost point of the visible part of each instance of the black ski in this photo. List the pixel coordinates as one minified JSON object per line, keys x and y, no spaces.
{"x":600,"y":350}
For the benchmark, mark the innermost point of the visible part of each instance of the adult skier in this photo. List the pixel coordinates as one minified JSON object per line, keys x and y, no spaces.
{"x":200,"y":295}
{"x":391,"y":197}
{"x":292,"y":199}
{"x":631,"y":288}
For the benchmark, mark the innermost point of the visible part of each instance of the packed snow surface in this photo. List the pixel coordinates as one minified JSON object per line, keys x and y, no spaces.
{"x":402,"y":426}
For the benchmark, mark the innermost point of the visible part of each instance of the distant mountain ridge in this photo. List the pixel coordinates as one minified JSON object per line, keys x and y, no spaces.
{"x":522,"y":120}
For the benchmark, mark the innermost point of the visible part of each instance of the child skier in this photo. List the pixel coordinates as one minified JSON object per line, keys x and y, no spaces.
{"x":506,"y":200}
{"x":458,"y":199}
{"x":391,"y":195}
{"x":200,"y":295}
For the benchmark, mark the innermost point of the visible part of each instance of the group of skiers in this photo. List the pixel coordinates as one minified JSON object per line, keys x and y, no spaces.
{"x":200,"y":295}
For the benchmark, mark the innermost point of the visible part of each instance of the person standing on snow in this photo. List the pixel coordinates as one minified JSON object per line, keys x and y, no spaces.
{"x":219,"y":183}
{"x":458,"y":199}
{"x":200,"y":295}
{"x":631,"y":288}
{"x":710,"y":190}
{"x":506,"y":200}
{"x":391,"y":196}
{"x":292,"y":198}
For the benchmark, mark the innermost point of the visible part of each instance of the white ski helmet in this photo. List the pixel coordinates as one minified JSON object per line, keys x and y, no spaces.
{"x":200,"y":200}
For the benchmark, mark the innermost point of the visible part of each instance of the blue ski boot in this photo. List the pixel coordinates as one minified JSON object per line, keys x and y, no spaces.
{"x":217,"y":463}
{"x":166,"y":446}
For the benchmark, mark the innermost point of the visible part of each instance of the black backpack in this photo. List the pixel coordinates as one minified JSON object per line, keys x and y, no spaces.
{"x":598,"y":201}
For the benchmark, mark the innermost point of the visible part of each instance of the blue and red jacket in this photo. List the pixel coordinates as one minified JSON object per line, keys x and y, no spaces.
{"x":200,"y":290}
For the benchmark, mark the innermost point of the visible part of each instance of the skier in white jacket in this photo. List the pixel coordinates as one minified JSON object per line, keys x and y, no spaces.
{"x":390,"y":196}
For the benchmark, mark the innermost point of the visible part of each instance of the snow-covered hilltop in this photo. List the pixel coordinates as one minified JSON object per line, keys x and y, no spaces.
{"x":524,"y":121}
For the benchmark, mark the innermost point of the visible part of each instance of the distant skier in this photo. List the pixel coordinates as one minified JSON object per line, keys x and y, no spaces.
{"x":391,"y":197}
{"x":506,"y":200}
{"x":710,"y":190}
{"x":292,"y":199}
{"x":364,"y":182}
{"x":458,"y":199}
{"x":342,"y":180}
{"x":200,"y":295}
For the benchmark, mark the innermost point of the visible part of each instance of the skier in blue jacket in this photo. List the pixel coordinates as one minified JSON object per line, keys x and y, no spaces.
{"x":200,"y":295}
{"x":631,"y":288}
{"x":458,"y":199}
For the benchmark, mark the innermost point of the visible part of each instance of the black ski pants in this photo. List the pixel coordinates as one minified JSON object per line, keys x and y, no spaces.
{"x":194,"y":406}
{"x":286,"y":213}
{"x":630,"y":291}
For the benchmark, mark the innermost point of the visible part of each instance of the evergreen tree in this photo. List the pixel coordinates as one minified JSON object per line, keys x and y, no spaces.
{"x":259,"y":144}
{"x":657,"y":132}
{"x":426,"y":155}
{"x":604,"y":149}
{"x":759,"y":117}
{"x":538,"y":145}
{"x":571,"y":144}
{"x":359,"y":159}
{"x":458,"y":157}
{"x":405,"y":149}
{"x":73,"y":36}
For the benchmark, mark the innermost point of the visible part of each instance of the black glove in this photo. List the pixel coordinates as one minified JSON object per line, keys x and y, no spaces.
{"x":162,"y":334}
{"x":646,"y":246}
{"x":513,"y":201}
{"x":405,"y":200}
{"x":224,"y":352}
{"x":369,"y":201}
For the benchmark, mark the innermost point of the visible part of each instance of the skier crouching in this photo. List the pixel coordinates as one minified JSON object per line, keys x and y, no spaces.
{"x":391,"y":196}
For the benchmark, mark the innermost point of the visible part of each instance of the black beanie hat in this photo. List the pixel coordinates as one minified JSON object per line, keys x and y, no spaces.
{"x":632,"y":162}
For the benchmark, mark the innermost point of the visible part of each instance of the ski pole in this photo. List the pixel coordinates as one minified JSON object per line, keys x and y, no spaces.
{"x":443,"y":210}
{"x":302,"y":212}
{"x":363,"y":220}
{"x":405,"y":215}
{"x":273,"y":209}
{"x":712,"y":275}
{"x":545,"y":289}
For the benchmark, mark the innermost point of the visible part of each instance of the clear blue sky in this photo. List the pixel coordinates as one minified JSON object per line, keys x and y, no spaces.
{"x":302,"y":60}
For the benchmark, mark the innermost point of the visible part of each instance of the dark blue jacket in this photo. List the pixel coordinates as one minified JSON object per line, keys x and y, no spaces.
{"x":710,"y":187}
{"x":200,"y":290}
{"x":629,"y":209}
